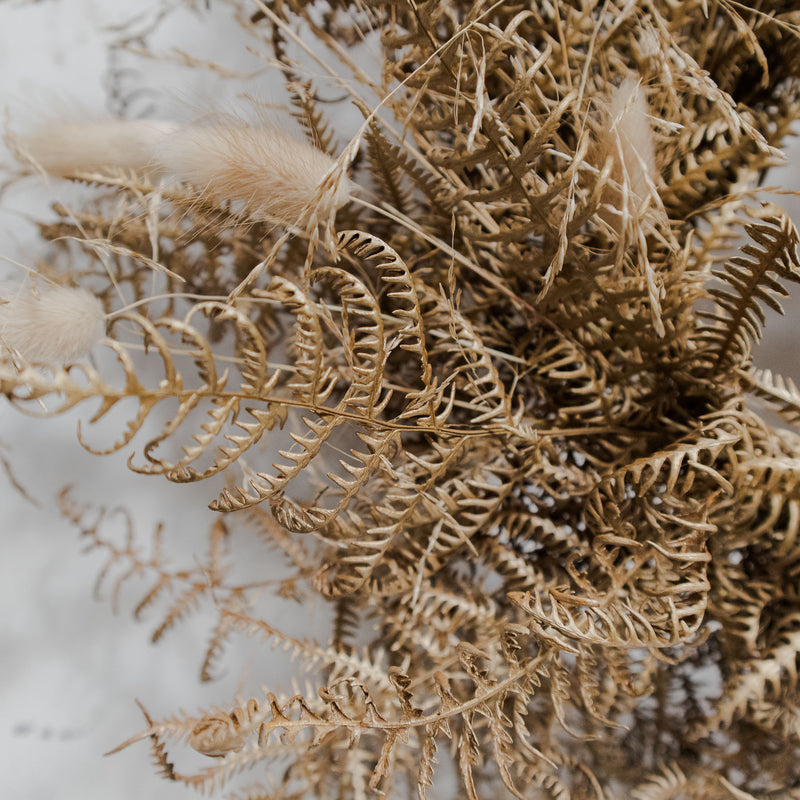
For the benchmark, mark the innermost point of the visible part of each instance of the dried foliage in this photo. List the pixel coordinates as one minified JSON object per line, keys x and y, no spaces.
{"x":496,"y":415}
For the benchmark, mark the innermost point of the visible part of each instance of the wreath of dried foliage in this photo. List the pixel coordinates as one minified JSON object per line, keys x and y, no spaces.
{"x":500,"y":420}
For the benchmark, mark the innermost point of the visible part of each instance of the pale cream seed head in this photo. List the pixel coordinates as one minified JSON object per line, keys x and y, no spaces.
{"x":53,"y":325}
{"x":264,"y":172}
{"x":66,"y":148}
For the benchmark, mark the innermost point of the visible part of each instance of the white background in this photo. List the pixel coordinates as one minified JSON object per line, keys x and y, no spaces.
{"x":69,"y":668}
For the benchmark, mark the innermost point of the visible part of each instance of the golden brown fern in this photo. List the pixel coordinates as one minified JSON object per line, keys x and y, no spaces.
{"x":493,"y":419}
{"x":754,"y":278}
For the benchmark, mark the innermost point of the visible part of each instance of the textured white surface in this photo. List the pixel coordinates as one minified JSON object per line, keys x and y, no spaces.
{"x":69,"y":667}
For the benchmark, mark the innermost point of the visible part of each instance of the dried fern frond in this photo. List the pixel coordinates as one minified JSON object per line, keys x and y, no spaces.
{"x":737,"y":323}
{"x":482,"y":382}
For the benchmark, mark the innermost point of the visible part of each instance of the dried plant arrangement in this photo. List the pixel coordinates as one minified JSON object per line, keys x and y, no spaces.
{"x":479,"y":368}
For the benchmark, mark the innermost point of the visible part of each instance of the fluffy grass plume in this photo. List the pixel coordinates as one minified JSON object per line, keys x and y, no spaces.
{"x":630,"y":128}
{"x":259,"y":169}
{"x":625,"y":137}
{"x":52,"y":326}
{"x":65,"y":148}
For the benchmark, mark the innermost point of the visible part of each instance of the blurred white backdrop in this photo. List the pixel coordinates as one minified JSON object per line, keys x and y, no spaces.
{"x":69,"y":669}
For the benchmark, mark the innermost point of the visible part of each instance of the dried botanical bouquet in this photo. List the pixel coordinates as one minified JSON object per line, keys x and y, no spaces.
{"x":479,"y":368}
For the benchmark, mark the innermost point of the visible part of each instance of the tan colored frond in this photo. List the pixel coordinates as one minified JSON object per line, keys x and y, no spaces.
{"x":752,"y":279}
